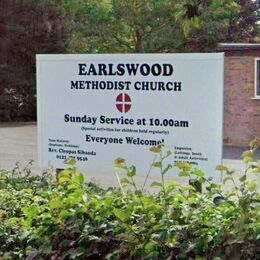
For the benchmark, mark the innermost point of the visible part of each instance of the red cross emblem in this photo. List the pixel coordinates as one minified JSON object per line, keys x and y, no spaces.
{"x":123,"y":103}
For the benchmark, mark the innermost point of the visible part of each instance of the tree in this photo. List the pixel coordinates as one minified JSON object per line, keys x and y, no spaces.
{"x":245,"y":25}
{"x":126,"y":26}
{"x":150,"y":25}
{"x":27,"y":28}
{"x":214,"y":18}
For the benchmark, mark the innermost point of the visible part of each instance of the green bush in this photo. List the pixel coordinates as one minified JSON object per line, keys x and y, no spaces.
{"x":66,"y":218}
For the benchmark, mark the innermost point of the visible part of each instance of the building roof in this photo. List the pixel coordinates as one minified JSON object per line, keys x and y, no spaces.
{"x":238,"y":46}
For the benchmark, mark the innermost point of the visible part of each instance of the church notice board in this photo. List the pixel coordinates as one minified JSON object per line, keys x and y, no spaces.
{"x":96,"y":108}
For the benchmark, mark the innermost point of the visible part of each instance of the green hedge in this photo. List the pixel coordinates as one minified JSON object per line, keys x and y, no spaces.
{"x":66,"y":218}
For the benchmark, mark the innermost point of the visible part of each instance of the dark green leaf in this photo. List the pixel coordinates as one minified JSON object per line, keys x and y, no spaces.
{"x":131,"y":172}
{"x":243,"y":178}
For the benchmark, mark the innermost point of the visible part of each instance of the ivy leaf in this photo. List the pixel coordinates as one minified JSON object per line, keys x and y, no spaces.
{"x":147,"y":201}
{"x":122,"y":215}
{"x":243,"y":178}
{"x":132,"y":172}
{"x":30,"y":211}
{"x":157,"y":164}
{"x":174,"y":184}
{"x":79,"y":179}
{"x":65,"y":214}
{"x":150,"y":246}
{"x":164,"y":235}
{"x":251,"y":186}
{"x":138,"y":193}
{"x":192,"y":200}
{"x":65,"y":173}
{"x":63,"y":180}
{"x":180,"y":197}
{"x":56,"y":203}
{"x":198,"y":173}
{"x":108,"y":202}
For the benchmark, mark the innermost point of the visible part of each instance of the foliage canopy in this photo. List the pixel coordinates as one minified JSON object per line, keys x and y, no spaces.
{"x":157,"y":26}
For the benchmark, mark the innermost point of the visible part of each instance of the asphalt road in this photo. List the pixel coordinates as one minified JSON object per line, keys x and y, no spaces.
{"x":18,"y":144}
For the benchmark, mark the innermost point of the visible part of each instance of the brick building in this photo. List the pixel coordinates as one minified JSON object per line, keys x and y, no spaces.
{"x":242,"y":93}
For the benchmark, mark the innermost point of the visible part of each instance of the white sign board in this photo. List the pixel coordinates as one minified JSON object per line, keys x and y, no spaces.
{"x":96,"y":108}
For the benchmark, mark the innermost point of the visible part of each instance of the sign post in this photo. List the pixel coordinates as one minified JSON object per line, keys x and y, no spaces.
{"x":96,"y":108}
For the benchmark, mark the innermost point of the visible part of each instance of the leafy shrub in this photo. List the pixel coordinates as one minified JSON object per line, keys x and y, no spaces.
{"x":26,"y":29}
{"x":66,"y":218}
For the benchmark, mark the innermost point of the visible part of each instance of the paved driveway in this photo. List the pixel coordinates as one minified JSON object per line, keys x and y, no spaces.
{"x":18,"y":143}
